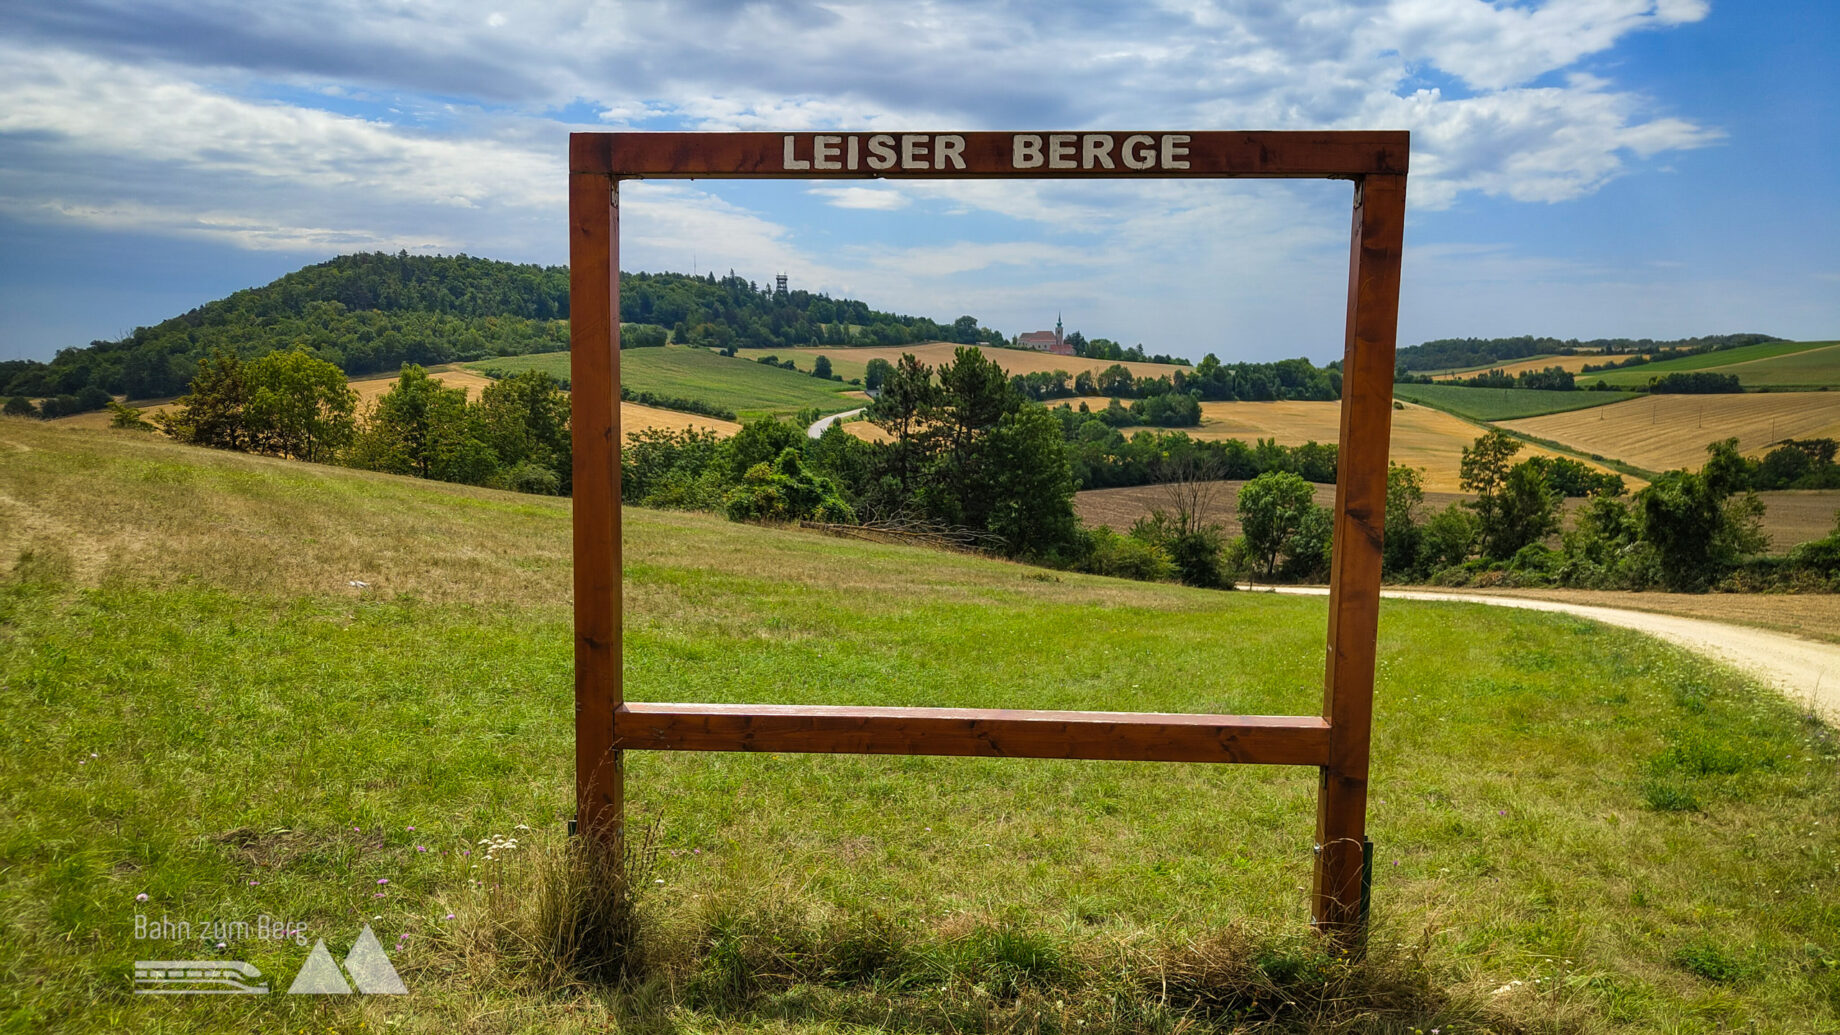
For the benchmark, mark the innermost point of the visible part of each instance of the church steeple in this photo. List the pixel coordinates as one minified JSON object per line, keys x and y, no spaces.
{"x":1057,"y":328}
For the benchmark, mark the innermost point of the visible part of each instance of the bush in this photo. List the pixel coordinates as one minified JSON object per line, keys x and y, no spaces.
{"x":19,"y":406}
{"x":786,"y":491}
{"x":532,"y":478}
{"x":1124,"y":557}
{"x":1696,"y":382}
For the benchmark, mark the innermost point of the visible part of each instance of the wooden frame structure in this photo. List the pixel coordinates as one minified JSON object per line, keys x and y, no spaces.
{"x":1336,"y":743}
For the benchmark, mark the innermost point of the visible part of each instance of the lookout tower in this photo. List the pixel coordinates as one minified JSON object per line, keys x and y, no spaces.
{"x":779,"y":283}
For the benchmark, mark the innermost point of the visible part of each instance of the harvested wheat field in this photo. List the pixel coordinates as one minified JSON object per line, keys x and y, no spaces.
{"x":634,"y":417}
{"x":371,"y":387}
{"x":1571,"y":363}
{"x":1663,"y":432}
{"x":1422,"y":437}
{"x":851,"y":362}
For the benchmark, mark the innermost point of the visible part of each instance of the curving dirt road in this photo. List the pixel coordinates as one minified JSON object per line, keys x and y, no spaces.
{"x":1805,"y":671}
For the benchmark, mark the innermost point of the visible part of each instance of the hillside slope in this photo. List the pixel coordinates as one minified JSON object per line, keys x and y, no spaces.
{"x":210,"y":713}
{"x":372,"y":312}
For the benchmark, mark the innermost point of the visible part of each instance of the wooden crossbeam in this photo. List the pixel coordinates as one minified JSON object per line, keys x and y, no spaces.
{"x":987,"y":732}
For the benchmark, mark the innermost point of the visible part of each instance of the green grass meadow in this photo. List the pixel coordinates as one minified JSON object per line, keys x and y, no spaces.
{"x":1775,"y":364}
{"x":1491,"y":404}
{"x":1577,"y":829}
{"x":748,"y":388}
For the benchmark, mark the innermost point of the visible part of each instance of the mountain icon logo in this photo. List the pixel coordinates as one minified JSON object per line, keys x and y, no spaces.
{"x":367,"y":964}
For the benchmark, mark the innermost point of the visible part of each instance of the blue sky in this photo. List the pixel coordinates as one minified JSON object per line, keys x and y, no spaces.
{"x":1641,"y":168}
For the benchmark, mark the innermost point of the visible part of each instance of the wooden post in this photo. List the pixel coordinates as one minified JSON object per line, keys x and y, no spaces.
{"x":594,"y":409}
{"x":1354,"y":588}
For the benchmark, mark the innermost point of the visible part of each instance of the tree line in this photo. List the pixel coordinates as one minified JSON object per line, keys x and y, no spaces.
{"x":1686,"y":531}
{"x":293,"y":404}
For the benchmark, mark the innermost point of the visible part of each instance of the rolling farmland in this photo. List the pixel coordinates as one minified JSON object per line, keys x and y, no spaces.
{"x":1492,"y":404}
{"x":1810,"y":363}
{"x":851,"y":362}
{"x":1789,"y":518}
{"x":1664,"y":432}
{"x":633,"y":417}
{"x":1422,"y":437}
{"x":748,"y":388}
{"x":1511,"y":367}
{"x":1808,"y":368}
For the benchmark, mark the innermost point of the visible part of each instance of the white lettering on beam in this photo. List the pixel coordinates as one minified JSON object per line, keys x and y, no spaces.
{"x":1087,"y":152}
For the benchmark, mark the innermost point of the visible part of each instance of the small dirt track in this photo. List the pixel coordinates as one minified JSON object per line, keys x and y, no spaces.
{"x":1803,"y":670}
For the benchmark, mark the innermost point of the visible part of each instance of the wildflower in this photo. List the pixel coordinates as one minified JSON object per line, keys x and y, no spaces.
{"x":383,"y":880}
{"x":142,"y":897}
{"x":421,"y":848}
{"x":412,"y":829}
{"x":252,"y":884}
{"x":450,"y":916}
{"x":378,"y":895}
{"x":220,"y":945}
{"x":92,"y":754}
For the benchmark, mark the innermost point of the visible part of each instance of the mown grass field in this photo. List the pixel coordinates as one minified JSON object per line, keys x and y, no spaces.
{"x":1663,"y":432}
{"x":749,"y":389}
{"x":1772,"y":363}
{"x":1492,"y":404}
{"x":1578,"y":829}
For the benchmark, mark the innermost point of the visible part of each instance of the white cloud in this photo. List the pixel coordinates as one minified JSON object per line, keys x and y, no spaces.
{"x":879,"y":199}
{"x":159,"y":115}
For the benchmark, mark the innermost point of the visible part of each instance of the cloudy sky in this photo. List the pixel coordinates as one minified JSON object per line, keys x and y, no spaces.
{"x":1582,"y":168}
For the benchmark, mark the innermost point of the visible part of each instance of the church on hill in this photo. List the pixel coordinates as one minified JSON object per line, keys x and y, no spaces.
{"x":1047,"y":341}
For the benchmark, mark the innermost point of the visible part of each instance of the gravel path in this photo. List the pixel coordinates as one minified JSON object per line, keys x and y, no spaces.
{"x":1805,"y":671}
{"x":817,"y":430}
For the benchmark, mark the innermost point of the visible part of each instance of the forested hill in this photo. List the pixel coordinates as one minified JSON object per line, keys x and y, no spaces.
{"x":373,"y":312}
{"x":1463,"y":353}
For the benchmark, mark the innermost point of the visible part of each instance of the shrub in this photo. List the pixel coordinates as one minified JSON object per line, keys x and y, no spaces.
{"x":786,"y":491}
{"x":1125,"y":557}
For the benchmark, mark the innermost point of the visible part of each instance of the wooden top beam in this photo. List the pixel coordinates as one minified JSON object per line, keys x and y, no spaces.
{"x":1055,"y":155}
{"x":989,"y":732}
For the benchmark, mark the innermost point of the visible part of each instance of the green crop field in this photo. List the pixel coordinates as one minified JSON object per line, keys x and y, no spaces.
{"x":1771,"y":363}
{"x":1816,"y":367}
{"x":1490,"y":404}
{"x":748,"y":388}
{"x":1577,"y":828}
